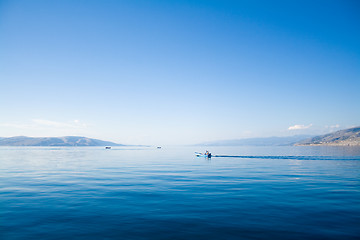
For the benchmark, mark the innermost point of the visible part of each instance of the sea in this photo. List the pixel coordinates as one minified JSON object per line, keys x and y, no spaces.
{"x":283,"y":192}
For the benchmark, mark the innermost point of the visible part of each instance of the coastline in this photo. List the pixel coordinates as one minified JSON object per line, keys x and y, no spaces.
{"x":339,"y":144}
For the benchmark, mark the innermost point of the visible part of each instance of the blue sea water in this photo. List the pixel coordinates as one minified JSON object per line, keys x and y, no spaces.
{"x":168,"y":193}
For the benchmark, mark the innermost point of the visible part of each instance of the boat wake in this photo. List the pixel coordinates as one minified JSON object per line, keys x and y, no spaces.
{"x":292,"y":157}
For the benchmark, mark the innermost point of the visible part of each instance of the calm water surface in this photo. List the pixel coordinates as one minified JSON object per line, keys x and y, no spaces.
{"x":148,"y":193}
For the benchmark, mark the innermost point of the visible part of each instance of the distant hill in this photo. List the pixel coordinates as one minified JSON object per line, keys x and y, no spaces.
{"x":270,"y":141}
{"x":346,"y":137}
{"x":54,"y":141}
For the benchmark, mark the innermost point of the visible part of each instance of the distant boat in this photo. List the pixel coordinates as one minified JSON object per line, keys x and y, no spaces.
{"x":158,"y":147}
{"x":107,"y":147}
{"x":208,"y":155}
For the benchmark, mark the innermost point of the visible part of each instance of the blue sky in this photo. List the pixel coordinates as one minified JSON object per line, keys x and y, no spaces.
{"x":178,"y":72}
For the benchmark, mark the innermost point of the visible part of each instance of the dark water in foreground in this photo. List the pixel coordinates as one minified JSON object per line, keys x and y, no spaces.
{"x":146,"y":193}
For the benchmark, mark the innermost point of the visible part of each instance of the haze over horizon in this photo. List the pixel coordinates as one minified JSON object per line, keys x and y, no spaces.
{"x":178,"y":72}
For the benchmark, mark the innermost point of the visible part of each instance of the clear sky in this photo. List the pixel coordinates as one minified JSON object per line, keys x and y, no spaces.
{"x":178,"y":72}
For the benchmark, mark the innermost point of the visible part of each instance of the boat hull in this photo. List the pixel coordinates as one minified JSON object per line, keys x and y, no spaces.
{"x":204,"y":155}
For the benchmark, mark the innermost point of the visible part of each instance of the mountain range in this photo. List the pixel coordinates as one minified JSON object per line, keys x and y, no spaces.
{"x":54,"y":141}
{"x":346,"y":137}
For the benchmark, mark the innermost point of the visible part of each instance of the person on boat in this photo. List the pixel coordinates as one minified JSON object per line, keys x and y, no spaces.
{"x":207,"y":153}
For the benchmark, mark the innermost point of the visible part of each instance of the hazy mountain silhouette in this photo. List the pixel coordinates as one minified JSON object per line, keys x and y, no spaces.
{"x":269,"y":141}
{"x":54,"y":141}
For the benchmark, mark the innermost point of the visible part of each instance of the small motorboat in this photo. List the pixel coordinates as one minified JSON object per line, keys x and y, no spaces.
{"x":207,"y":154}
{"x":107,"y":147}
